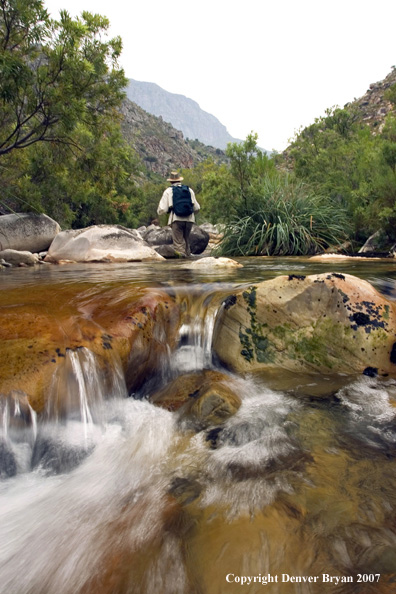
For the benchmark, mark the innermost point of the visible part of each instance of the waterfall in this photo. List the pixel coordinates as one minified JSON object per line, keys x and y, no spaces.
{"x":194,"y":350}
{"x":72,"y":422}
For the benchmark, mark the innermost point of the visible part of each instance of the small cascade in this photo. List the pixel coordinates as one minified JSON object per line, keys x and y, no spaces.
{"x":18,"y":431}
{"x":106,"y":493}
{"x":72,"y":422}
{"x":80,"y":386}
{"x":194,"y":352}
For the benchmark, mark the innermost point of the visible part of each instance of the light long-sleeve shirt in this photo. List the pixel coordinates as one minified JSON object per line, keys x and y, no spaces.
{"x":167,"y":201}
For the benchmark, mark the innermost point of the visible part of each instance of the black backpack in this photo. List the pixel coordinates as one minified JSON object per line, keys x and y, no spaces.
{"x":182,"y":203}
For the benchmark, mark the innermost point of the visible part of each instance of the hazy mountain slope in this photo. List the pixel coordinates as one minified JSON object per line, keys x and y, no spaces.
{"x":183,"y":113}
{"x":159,"y":145}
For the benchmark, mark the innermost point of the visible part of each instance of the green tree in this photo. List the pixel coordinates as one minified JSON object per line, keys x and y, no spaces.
{"x":53,"y":74}
{"x":344,"y":159}
{"x":215,"y":188}
{"x":60,"y":86}
{"x":95,"y":185}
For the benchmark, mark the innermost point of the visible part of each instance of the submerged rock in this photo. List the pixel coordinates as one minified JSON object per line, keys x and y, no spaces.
{"x":100,"y":243}
{"x":320,"y":323}
{"x":206,"y":398}
{"x":8,"y":467}
{"x":55,"y":457}
{"x":212,"y":262}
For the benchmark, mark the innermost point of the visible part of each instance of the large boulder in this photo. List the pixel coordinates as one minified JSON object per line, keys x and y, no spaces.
{"x":27,"y":232}
{"x":160,"y":236}
{"x":321,"y":323}
{"x":100,"y":243}
{"x":199,"y":239}
{"x":155,"y":235}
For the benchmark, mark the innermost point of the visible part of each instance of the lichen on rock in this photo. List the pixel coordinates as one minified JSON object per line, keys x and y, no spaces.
{"x":319,"y":323}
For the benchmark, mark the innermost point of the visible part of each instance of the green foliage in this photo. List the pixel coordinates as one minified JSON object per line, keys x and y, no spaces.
{"x":242,"y":157}
{"x":92,"y":186}
{"x":265,"y":211}
{"x":214,"y":188}
{"x":288,"y":219}
{"x":60,"y":86}
{"x":341,"y":156}
{"x":53,"y":75}
{"x":146,"y":203}
{"x":223,"y":188}
{"x":219,"y":195}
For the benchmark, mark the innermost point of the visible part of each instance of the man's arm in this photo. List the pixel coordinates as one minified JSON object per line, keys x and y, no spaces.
{"x":165,"y":203}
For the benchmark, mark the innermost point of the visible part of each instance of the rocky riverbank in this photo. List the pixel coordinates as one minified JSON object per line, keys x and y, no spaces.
{"x":30,"y":239}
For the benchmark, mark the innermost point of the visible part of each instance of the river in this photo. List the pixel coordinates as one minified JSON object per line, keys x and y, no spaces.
{"x":295,"y":493}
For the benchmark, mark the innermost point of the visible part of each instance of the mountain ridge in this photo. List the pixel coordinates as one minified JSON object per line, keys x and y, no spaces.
{"x":182,"y":112}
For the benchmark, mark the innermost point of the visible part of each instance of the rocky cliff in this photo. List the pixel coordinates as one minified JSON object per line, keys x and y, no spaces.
{"x":183,"y":113}
{"x":373,"y":106}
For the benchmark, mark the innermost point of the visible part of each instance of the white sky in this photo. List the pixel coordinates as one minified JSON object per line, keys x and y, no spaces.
{"x":268,"y":66}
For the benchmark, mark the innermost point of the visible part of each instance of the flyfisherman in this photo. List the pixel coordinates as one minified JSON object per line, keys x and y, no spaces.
{"x":180,"y":202}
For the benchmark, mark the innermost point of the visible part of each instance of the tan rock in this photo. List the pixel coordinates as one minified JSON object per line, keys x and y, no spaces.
{"x":18,"y":258}
{"x":207,"y":397}
{"x":338,"y":258}
{"x":100,"y":243}
{"x":320,"y":323}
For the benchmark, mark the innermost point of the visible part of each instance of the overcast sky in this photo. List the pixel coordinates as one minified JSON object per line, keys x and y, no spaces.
{"x":268,"y":66}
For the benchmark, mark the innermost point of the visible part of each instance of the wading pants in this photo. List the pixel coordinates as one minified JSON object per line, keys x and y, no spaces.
{"x":180,"y":234}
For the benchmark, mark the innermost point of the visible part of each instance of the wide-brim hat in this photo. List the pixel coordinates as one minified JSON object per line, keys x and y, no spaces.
{"x":174,"y":177}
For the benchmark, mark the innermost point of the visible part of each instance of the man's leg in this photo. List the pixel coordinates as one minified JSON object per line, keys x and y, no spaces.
{"x":187,"y":231}
{"x":178,"y":239}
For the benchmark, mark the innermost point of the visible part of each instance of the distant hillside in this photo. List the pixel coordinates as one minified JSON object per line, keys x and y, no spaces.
{"x":159,"y":145}
{"x":183,"y":113}
{"x":371,"y":109}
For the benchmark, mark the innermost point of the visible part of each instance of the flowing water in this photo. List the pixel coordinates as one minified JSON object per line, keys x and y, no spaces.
{"x":106,"y":493}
